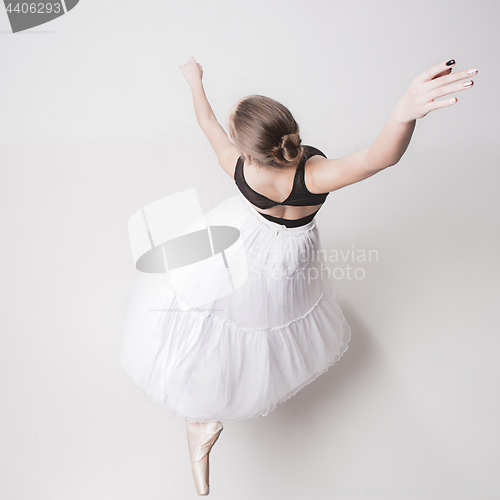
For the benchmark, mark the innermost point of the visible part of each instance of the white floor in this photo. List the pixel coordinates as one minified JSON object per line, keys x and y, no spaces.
{"x":97,"y":121}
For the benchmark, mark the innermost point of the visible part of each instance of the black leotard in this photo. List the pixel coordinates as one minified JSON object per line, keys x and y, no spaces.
{"x":299,"y":197}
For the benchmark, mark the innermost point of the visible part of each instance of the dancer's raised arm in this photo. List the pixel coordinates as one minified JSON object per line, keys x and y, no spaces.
{"x":226,"y":151}
{"x":326,"y":175}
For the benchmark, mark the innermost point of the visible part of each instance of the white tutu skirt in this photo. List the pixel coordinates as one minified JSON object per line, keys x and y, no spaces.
{"x":238,"y":356}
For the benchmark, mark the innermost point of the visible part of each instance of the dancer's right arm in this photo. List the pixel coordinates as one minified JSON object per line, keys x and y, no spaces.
{"x":226,"y":151}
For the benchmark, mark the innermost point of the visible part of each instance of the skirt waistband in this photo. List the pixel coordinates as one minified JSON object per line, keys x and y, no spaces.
{"x":290,"y":222}
{"x":275,"y":226}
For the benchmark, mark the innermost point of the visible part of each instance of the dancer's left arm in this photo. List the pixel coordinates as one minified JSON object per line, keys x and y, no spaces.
{"x":327,"y":175}
{"x":226,"y":151}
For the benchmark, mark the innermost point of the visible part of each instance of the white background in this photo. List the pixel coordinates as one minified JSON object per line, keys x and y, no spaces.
{"x":97,"y":121}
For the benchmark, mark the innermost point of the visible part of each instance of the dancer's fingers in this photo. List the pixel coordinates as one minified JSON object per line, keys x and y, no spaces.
{"x":433,"y":71}
{"x":443,"y":83}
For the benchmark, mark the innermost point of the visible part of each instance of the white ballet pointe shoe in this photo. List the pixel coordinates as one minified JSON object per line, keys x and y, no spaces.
{"x":201,"y":439}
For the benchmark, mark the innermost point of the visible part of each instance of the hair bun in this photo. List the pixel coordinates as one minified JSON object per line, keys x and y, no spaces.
{"x":291,"y":148}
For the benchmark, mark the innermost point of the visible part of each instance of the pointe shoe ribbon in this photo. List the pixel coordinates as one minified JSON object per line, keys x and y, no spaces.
{"x":209,"y":434}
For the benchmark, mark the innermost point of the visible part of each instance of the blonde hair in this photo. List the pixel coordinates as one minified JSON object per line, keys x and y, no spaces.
{"x":265,"y":130}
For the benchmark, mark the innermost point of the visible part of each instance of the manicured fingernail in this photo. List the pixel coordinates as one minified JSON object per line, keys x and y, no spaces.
{"x":450,"y":62}
{"x":468,"y":84}
{"x":472,"y":71}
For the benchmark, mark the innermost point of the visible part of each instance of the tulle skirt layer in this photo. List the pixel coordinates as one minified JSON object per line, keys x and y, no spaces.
{"x":237,"y":356}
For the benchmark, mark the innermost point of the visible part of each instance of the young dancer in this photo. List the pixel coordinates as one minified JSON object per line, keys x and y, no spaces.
{"x":241,"y":355}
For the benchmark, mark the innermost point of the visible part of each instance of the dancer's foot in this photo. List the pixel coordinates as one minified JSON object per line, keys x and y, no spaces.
{"x":201,"y":438}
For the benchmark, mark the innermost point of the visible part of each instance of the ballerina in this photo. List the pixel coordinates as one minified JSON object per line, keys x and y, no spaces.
{"x":252,"y":349}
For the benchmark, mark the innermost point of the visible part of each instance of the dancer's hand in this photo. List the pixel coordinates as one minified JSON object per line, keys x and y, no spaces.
{"x":192,"y":71}
{"x":433,"y":83}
